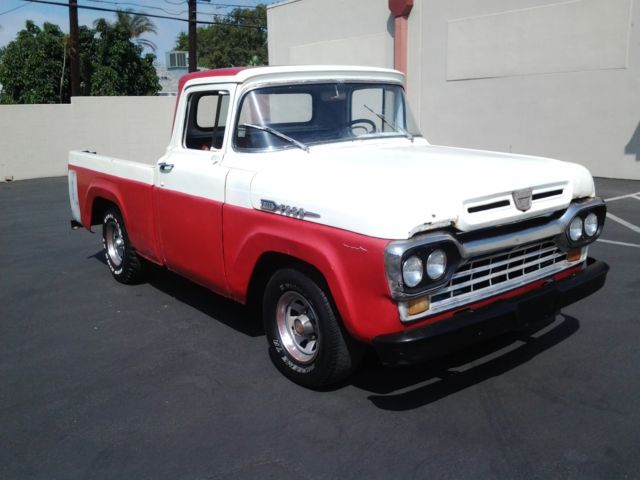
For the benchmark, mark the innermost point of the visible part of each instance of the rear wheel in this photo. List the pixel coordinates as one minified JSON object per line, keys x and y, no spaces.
{"x":125,"y":265}
{"x":307,"y":341}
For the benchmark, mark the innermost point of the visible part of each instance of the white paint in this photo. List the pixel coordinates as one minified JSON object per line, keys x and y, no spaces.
{"x":621,"y":221}
{"x":137,"y":171}
{"x":613,"y":242}
{"x":393,"y":188}
{"x":73,"y":195}
{"x":621,"y":197}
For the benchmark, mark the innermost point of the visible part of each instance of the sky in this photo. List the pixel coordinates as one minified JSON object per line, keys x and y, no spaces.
{"x":14,"y":13}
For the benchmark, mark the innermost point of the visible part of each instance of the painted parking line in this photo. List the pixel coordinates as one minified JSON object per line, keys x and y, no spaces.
{"x":621,"y":197}
{"x":621,"y":221}
{"x":613,"y":242}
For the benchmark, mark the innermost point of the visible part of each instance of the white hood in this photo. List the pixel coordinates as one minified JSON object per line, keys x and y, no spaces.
{"x":395,"y":189}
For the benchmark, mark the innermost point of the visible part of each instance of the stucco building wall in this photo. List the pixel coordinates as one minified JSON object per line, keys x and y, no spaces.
{"x":557,"y":79}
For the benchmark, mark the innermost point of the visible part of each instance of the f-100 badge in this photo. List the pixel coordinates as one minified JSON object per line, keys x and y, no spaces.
{"x":289,"y":211}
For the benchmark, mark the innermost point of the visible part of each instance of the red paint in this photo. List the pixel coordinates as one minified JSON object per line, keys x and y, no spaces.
{"x":400,"y":8}
{"x":352,"y":264}
{"x":189,"y":229}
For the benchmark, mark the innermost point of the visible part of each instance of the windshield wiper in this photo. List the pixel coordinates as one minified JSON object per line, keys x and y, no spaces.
{"x":278,"y":134}
{"x":388,"y":122}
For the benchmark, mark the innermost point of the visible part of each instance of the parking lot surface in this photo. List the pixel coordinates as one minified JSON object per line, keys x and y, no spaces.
{"x":166,"y":380}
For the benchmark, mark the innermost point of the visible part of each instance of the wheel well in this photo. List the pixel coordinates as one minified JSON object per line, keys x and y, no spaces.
{"x":271,"y":262}
{"x":98,"y":208}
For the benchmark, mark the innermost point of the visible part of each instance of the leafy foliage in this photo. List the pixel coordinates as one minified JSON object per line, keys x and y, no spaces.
{"x":228,"y":45}
{"x":31,"y":65}
{"x":34,"y":68}
{"x":118,"y":68}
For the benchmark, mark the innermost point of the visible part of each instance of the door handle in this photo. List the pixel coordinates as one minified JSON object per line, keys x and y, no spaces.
{"x":165,"y":167}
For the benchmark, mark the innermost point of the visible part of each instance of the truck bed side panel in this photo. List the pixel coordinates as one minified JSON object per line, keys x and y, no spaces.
{"x":129,"y":185}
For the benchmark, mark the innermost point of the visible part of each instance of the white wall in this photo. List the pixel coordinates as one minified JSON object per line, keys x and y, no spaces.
{"x":35,"y":139}
{"x":541,"y":77}
{"x":339,"y":32}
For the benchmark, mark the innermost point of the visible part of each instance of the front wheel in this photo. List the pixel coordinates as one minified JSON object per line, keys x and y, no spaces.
{"x":307,"y":341}
{"x":125,"y":265}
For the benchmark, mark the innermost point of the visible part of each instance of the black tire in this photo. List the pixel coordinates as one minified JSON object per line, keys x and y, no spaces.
{"x":125,"y":265}
{"x":291,"y":296}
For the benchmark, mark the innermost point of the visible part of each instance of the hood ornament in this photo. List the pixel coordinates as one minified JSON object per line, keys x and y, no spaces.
{"x":522,"y":199}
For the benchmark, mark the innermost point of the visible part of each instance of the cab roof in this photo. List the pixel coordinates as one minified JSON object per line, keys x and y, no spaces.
{"x":242,"y":74}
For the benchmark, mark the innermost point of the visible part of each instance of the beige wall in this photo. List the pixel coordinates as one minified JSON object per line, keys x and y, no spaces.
{"x":342,"y":32}
{"x":35,"y":139}
{"x":542,"y":77}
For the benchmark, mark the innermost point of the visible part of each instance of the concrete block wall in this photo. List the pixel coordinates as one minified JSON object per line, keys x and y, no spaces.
{"x":35,"y":139}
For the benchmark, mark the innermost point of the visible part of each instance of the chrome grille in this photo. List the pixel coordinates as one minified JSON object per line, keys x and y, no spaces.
{"x":499,"y":272}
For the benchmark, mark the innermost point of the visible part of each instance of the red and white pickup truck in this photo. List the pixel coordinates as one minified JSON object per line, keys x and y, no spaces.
{"x":310,"y":191}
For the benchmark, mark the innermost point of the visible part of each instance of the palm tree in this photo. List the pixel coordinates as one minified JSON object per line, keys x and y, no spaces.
{"x":137,"y":25}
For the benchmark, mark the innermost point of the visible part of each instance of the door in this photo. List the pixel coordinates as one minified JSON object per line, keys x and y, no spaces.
{"x":190,"y":188}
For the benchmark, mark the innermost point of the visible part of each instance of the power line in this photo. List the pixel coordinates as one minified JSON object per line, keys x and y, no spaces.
{"x":14,"y":8}
{"x":151,"y":15}
{"x":133,"y":4}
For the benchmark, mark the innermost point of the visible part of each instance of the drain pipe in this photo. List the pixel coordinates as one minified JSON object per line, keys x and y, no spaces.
{"x":400,"y":9}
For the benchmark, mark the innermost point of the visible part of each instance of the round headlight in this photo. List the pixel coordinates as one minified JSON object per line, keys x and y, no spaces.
{"x":591,"y":224}
{"x":575,"y":229}
{"x":412,"y":271}
{"x":436,"y":264}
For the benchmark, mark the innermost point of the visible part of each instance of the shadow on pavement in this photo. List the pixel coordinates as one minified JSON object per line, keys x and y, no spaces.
{"x":442,"y":380}
{"x":236,"y":316}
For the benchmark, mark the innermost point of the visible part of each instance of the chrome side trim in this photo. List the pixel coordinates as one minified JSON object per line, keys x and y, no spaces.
{"x":553,"y":229}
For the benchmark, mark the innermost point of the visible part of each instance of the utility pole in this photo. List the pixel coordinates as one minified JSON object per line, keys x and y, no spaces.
{"x":74,"y":57}
{"x":193,"y":38}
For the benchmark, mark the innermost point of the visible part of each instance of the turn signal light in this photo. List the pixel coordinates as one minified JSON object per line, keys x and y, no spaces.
{"x":574,"y":254}
{"x":418,"y":306}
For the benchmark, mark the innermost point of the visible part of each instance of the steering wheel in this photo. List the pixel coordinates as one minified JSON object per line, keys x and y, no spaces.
{"x":353,"y":125}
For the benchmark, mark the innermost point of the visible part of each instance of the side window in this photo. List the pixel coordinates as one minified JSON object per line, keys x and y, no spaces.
{"x":206,"y":120}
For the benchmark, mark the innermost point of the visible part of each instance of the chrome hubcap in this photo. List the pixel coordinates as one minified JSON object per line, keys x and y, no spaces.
{"x":115,"y":243}
{"x":297,"y":326}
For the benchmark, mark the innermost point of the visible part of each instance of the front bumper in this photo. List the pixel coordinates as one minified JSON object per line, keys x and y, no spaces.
{"x":502,"y":316}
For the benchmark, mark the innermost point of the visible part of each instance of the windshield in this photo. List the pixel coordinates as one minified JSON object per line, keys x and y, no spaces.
{"x":311,"y":114}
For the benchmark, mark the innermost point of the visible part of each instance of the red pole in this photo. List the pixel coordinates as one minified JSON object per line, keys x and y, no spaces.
{"x":400,"y":9}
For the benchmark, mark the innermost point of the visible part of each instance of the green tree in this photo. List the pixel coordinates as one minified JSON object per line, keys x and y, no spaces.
{"x":31,"y":66}
{"x":239,"y":39}
{"x":34,"y":68}
{"x":118,"y":67}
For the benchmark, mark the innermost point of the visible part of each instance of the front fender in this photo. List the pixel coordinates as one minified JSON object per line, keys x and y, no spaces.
{"x":352,"y":264}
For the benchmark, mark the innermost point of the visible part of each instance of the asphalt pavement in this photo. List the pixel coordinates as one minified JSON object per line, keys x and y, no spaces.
{"x":166,"y":380}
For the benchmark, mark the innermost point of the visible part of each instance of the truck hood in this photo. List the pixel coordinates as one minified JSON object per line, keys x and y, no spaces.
{"x":395,"y":189}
